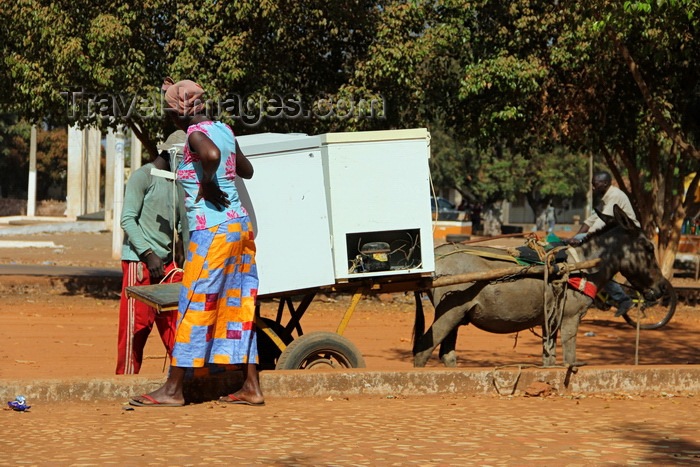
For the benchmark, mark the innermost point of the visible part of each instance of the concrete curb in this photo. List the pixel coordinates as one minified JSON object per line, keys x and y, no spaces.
{"x":504,"y":381}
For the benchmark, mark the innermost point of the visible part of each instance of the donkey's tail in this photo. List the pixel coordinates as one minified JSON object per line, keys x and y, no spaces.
{"x":419,"y":323}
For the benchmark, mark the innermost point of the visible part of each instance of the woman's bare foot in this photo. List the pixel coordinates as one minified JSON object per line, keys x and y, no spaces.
{"x":158,"y":398}
{"x":250,"y":393}
{"x":244,"y":398}
{"x":168,"y":395}
{"x":147,"y":400}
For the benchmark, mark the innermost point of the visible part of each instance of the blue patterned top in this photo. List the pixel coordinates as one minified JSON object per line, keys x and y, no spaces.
{"x":203,"y":214}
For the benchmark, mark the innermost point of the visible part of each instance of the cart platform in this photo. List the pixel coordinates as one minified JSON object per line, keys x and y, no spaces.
{"x":162,"y":297}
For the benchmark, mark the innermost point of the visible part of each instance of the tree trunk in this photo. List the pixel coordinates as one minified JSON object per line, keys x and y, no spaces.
{"x":145,"y":138}
{"x":538,"y":206}
{"x":493,"y":218}
{"x":666,"y":124}
{"x":541,"y":221}
{"x":668,"y":247}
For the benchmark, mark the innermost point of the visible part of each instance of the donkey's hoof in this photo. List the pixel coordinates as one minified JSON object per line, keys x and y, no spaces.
{"x":449,"y":360}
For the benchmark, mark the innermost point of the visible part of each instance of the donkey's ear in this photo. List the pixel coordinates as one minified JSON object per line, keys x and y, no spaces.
{"x":623,"y":219}
{"x":604,"y":217}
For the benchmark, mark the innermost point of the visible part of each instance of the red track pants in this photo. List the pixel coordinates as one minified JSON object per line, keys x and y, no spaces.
{"x":136,"y":319}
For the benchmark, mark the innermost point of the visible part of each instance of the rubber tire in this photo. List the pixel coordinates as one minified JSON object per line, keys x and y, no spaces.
{"x":313,"y":347}
{"x":268,"y":352}
{"x":669,"y":297}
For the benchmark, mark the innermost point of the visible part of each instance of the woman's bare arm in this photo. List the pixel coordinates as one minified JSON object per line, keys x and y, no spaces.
{"x":210,"y":156}
{"x":244,"y":168}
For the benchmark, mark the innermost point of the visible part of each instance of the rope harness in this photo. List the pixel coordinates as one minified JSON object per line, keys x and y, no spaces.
{"x":554,"y":312}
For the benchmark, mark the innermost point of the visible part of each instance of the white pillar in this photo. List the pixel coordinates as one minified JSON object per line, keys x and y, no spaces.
{"x":118,"y":194}
{"x":31,"y":186}
{"x":135,"y":152}
{"x":93,"y":156}
{"x":75,"y":178}
{"x":110,"y":142}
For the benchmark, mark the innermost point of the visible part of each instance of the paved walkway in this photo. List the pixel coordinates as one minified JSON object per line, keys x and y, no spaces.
{"x":363,"y":430}
{"x":70,"y":424}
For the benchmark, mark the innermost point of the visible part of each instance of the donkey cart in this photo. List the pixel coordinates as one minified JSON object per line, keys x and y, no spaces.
{"x":350,"y":213}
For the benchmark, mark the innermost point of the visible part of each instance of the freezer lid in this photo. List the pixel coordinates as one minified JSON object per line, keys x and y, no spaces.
{"x":369,"y":136}
{"x":275,"y":143}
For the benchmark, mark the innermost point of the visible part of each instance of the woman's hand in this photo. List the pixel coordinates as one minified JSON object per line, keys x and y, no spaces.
{"x":210,"y":191}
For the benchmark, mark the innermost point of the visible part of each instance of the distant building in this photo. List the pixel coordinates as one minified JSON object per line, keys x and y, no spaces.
{"x":520,"y":212}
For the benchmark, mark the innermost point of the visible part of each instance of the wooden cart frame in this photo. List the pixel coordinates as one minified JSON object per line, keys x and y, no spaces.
{"x":278,"y":349}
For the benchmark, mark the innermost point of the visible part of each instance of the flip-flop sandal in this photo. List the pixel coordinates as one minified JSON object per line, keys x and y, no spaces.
{"x":236,"y":400}
{"x":153,"y":402}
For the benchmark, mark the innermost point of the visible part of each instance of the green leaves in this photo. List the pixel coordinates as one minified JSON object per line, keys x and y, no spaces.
{"x":121,"y":51}
{"x":508,"y":83}
{"x":638,"y":6}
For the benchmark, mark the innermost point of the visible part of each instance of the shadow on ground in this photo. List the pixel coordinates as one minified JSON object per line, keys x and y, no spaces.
{"x":88,"y":286}
{"x":663,"y":443}
{"x":96,"y":287}
{"x":599,"y":342}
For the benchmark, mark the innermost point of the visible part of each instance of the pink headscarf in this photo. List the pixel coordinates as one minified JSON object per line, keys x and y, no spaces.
{"x":185,"y":96}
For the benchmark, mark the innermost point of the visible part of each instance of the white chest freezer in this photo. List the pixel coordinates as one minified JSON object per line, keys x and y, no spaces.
{"x":286,"y":201}
{"x":378,"y":193}
{"x":338,"y":206}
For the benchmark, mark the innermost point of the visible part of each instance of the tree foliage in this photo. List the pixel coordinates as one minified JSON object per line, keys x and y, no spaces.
{"x":614,"y":79}
{"x":470,"y":71}
{"x":51,"y":161}
{"x":118,"y":54}
{"x":540,"y":172}
{"x":517,"y":94}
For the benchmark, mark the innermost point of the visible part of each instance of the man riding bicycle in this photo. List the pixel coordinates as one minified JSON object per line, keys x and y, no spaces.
{"x":610,"y":196}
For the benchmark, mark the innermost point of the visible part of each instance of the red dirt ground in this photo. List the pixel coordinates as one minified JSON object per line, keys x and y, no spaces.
{"x":48,"y":332}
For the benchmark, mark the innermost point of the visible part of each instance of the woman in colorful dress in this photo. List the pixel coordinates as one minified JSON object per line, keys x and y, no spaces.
{"x":216,"y":310}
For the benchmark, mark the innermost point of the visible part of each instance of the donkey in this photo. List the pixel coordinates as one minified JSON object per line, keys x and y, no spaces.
{"x":512,"y":306}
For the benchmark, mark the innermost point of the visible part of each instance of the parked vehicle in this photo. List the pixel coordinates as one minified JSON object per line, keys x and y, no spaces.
{"x":446,"y":211}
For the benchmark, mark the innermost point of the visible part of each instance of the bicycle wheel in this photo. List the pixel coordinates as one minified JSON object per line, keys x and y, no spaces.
{"x":650,"y":314}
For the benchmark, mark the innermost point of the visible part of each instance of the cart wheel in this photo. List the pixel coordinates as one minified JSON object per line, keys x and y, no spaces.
{"x":651,"y":314}
{"x":268,"y":351}
{"x":320,"y":350}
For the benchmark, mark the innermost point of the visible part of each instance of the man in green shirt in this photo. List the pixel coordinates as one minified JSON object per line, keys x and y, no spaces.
{"x":150,"y":216}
